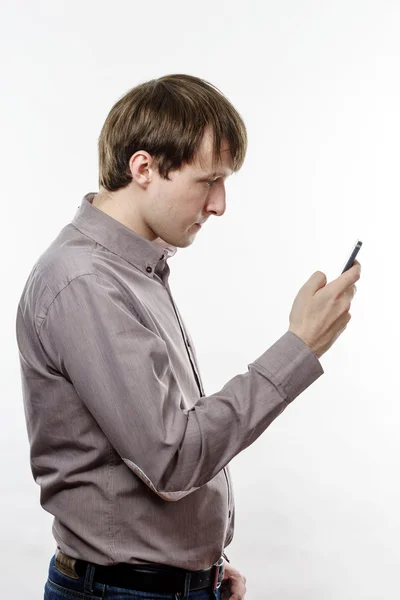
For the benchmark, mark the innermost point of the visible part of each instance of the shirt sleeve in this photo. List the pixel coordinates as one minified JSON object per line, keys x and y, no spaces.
{"x":121,"y":371}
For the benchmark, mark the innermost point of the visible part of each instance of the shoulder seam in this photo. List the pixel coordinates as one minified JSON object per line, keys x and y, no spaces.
{"x":59,"y":292}
{"x":126,"y":299}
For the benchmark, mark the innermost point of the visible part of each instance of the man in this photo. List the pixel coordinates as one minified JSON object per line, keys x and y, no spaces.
{"x":131,"y":455}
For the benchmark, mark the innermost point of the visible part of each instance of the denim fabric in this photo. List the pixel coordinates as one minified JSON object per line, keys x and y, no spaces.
{"x":61,"y":587}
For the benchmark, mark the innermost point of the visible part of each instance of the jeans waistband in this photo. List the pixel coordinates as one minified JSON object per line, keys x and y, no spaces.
{"x":147,"y":577}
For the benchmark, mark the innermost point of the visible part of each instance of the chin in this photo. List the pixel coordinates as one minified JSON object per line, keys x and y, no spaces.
{"x":185,"y":243}
{"x":181,"y":239}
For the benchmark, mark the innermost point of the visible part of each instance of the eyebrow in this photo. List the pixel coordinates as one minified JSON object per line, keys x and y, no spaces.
{"x":216,"y":174}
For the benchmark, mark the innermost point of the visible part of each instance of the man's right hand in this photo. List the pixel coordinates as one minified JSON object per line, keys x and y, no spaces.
{"x":320,"y":311}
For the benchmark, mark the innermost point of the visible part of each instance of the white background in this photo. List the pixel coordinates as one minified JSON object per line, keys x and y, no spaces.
{"x":317,"y":83}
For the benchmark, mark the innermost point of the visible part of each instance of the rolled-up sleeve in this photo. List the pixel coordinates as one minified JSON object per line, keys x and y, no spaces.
{"x":122,"y":373}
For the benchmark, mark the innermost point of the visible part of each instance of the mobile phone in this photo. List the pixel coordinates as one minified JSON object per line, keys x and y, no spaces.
{"x":353,"y":255}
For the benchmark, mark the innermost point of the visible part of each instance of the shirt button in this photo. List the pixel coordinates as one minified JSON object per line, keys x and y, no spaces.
{"x":149,"y":269}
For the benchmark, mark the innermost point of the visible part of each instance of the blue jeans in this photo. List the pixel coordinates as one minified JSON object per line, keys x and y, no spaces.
{"x":62,"y":587}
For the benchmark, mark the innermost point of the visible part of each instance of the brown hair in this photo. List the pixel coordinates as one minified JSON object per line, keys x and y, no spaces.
{"x":167,"y":118}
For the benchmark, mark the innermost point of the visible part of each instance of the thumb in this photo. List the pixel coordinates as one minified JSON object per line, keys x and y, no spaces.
{"x":316,"y":282}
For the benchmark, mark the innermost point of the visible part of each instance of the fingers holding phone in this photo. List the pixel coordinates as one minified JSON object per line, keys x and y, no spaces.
{"x":320,"y":311}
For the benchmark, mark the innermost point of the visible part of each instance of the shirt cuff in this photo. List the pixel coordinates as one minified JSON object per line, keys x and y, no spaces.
{"x":290,"y":365}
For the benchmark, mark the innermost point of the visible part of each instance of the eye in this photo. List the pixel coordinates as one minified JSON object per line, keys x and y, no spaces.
{"x":209,"y":183}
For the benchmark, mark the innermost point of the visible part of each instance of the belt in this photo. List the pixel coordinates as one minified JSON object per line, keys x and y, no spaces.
{"x":147,"y":577}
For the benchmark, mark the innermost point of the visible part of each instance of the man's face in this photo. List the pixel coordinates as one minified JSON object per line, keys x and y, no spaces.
{"x":174,"y":210}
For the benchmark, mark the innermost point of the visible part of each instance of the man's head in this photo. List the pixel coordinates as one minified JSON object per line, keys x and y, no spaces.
{"x":165,"y":150}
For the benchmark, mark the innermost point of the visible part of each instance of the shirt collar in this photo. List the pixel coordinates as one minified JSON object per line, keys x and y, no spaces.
{"x":149,"y":256}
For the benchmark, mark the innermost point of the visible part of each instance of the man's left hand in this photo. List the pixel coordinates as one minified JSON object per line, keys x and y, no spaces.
{"x":233,"y":581}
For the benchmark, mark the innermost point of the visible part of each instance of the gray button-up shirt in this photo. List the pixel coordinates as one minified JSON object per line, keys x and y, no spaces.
{"x":131,"y":456}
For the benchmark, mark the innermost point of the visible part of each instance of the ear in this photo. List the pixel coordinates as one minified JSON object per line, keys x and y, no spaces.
{"x":141,"y":165}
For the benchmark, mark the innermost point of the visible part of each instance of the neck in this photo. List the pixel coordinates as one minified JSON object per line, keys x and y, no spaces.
{"x":119,"y":206}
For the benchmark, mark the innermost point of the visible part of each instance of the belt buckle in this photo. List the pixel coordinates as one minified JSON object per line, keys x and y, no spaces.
{"x":219,"y":570}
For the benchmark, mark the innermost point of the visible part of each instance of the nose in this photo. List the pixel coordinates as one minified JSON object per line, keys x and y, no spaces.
{"x":216,"y":199}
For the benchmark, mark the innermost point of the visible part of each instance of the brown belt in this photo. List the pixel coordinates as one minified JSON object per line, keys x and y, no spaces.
{"x":146,"y":578}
